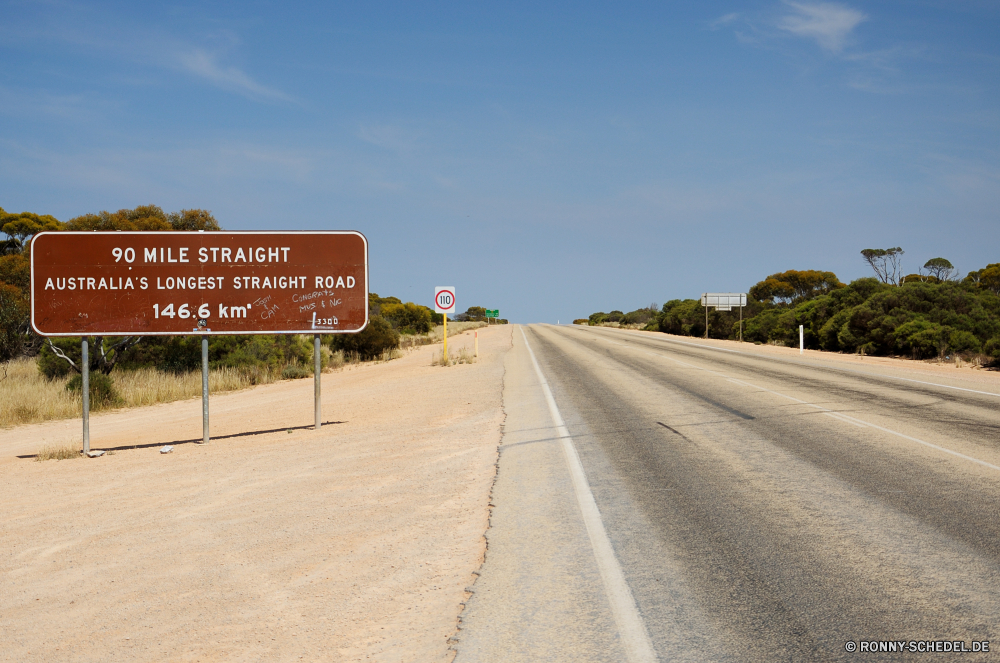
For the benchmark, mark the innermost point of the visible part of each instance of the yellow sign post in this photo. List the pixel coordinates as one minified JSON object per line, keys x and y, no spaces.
{"x":444,"y":303}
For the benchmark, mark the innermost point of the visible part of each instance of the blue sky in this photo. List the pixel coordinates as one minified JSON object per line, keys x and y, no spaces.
{"x":549,"y":160}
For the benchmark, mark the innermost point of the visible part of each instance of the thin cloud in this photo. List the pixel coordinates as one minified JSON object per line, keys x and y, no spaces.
{"x":203,"y":64}
{"x":723,"y":20}
{"x":830,"y":24}
{"x":126,"y":42}
{"x":388,"y":136}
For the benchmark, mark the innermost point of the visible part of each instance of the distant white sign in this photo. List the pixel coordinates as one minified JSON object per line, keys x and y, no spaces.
{"x":444,"y":299}
{"x":724,"y":301}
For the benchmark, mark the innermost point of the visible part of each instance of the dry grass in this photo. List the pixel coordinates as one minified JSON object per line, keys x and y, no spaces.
{"x":60,"y":452}
{"x":148,"y":386}
{"x":26,"y":397}
{"x":335,"y":360}
{"x":454,"y":329}
{"x":390,"y":354}
{"x":463,"y":356}
{"x":436,"y":335}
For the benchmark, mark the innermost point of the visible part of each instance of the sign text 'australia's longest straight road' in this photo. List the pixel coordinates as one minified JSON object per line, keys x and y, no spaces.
{"x":198,"y":282}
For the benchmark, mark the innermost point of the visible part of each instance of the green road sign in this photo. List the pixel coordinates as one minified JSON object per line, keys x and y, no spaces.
{"x":495,"y":313}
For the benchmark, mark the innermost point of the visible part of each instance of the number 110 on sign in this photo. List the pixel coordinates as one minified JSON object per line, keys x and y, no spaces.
{"x":444,"y":299}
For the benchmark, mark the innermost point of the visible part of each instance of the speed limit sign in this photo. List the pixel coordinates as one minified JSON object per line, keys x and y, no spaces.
{"x":444,"y":299}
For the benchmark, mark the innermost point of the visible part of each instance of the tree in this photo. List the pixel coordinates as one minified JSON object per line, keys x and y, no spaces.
{"x":987,"y":278}
{"x":375,"y":303}
{"x":16,"y":336}
{"x":104,"y":354}
{"x":370,"y":342}
{"x":145,"y":217}
{"x":887,"y":264}
{"x":193,"y":219}
{"x":409,"y":318}
{"x":14,"y":322}
{"x":20,"y":228}
{"x":939,"y":268}
{"x":472,"y":314}
{"x":795,"y":286}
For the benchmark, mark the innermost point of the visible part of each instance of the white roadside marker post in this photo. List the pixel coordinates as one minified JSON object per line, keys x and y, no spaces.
{"x":802,"y":342}
{"x":317,"y":372}
{"x":204,"y":389}
{"x":85,"y":388}
{"x":477,"y":344}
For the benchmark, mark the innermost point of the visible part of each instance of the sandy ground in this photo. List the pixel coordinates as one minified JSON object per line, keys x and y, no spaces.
{"x":275,"y":542}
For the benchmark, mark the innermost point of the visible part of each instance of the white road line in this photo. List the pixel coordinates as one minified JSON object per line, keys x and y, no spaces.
{"x":839,"y":417}
{"x":832,"y":368}
{"x":631,"y":628}
{"x":933,"y":384}
{"x":851,"y":419}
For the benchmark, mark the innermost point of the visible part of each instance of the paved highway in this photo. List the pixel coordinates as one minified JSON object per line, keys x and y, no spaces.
{"x":661,"y":500}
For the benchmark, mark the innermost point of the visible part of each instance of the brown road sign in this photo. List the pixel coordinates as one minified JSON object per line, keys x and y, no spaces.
{"x":147,"y":283}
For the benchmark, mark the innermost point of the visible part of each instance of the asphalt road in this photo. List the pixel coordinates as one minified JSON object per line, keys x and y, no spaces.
{"x":757,"y":509}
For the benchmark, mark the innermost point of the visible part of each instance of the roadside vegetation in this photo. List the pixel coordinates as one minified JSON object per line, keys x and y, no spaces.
{"x":40,"y":378}
{"x":930,"y":314}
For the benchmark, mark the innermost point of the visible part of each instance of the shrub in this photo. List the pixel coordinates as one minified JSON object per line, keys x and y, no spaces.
{"x":295,"y":372}
{"x":685,"y":317}
{"x":52,"y":366}
{"x":14,"y":316}
{"x":59,"y":452}
{"x":639,"y":316}
{"x":369,"y":343}
{"x":581,"y":321}
{"x":408,"y":318}
{"x":964,"y":342}
{"x":375,"y":303}
{"x":103,"y":393}
{"x":992,"y":349}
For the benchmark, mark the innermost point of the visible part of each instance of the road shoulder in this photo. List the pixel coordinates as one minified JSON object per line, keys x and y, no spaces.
{"x":273,"y":542}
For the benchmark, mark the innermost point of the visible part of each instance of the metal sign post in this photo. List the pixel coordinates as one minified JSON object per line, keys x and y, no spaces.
{"x":205,"y":283}
{"x":724,"y":301}
{"x":85,"y":389}
{"x":204,"y":389}
{"x":444,"y":303}
{"x":317,"y":372}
